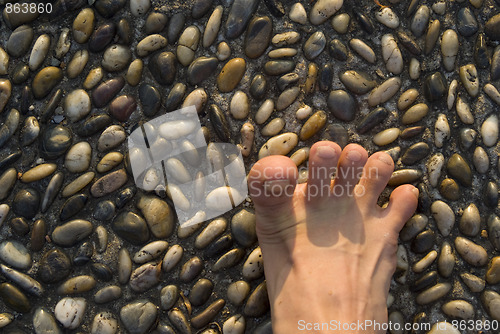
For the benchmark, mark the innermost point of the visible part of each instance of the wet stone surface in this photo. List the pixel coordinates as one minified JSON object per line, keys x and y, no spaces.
{"x":84,"y":249}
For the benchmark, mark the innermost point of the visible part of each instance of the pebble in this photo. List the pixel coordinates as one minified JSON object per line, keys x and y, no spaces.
{"x":432,"y":36}
{"x":102,"y":37}
{"x":323,"y":10}
{"x":449,"y":49}
{"x":38,"y":53}
{"x":104,"y":323}
{"x":342,"y":105}
{"x":258,"y":36}
{"x":443,"y":327}
{"x":384,"y":92}
{"x":203,"y":318}
{"x":150,"y":252}
{"x":387,"y":17}
{"x":392,"y":54}
{"x":279,"y":145}
{"x":237,"y":292}
{"x":44,"y":81}
{"x":231,"y":75}
{"x":463,"y":111}
{"x":131,"y":227}
{"x":420,"y":21}
{"x":433,"y":293}
{"x":187,"y":45}
{"x":108,"y":294}
{"x":474,"y":283}
{"x":106,"y":91}
{"x":287,"y":98}
{"x":495,"y":65}
{"x":446,"y":261}
{"x":179,"y":321}
{"x":116,"y":58}
{"x":201,"y":291}
{"x":489,"y":131}
{"x":257,"y":303}
{"x":70,"y":312}
{"x":72,"y":232}
{"x":407,"y":98}
{"x":415,"y":114}
{"x":414,"y":69}
{"x":469,"y":78}
{"x":212,"y":27}
{"x":19,"y":41}
{"x":434,"y":87}
{"x":83,"y":25}
{"x":150,"y":44}
{"x":54,"y":266}
{"x":493,"y":273}
{"x":145,"y":277}
{"x":490,"y":300}
{"x":239,"y":15}
{"x":491,"y":28}
{"x":340,"y":23}
{"x":363,"y":50}
{"x":386,"y":136}
{"x":14,"y":298}
{"x":298,"y":13}
{"x":459,"y":169}
{"x":44,"y":322}
{"x":139,"y":7}
{"x":492,"y":92}
{"x":253,"y":267}
{"x":78,"y":184}
{"x":314,"y":45}
{"x":471,"y":252}
{"x":168,"y":296}
{"x":357,"y":82}
{"x":138,"y":316}
{"x":234,"y":325}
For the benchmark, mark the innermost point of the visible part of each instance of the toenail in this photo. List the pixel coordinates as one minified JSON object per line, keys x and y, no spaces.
{"x":326,"y":152}
{"x":353,"y":155}
{"x":415,"y":191}
{"x":385,"y":158}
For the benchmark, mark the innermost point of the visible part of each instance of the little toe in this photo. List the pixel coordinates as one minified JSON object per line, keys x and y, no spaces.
{"x":349,"y":169}
{"x":402,"y":205}
{"x":376,"y":173}
{"x":271,"y":184}
{"x":323,"y":159}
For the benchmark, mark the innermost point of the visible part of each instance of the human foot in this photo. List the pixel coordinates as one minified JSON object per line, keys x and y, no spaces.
{"x":329,"y":250}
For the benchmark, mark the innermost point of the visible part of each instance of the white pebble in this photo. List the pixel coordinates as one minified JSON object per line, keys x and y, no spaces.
{"x":70,"y":311}
{"x":489,"y":131}
{"x":441,"y":130}
{"x":298,"y":13}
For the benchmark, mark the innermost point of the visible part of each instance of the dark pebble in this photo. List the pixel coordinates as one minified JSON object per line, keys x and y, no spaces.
{"x":54,"y":266}
{"x":26,"y":99}
{"x":202,"y":319}
{"x":93,"y":125}
{"x":125,"y":196}
{"x":163,"y":67}
{"x":9,"y":159}
{"x":482,"y":56}
{"x":314,"y":45}
{"x":150,"y":99}
{"x":423,"y":242}
{"x":275,"y":7}
{"x":122,"y":107}
{"x":493,"y":223}
{"x":19,"y":226}
{"x":104,"y":210}
{"x":409,"y":43}
{"x":155,"y":23}
{"x":424,"y":199}
{"x":413,"y":227}
{"x":101,"y":272}
{"x":175,"y":27}
{"x":412,"y":132}
{"x":449,"y":189}
{"x":287,"y":80}
{"x":326,"y":77}
{"x":364,"y":21}
{"x":467,"y":138}
{"x":55,"y":141}
{"x":38,"y":233}
{"x":108,"y":8}
{"x":459,"y":168}
{"x":336,"y":133}
{"x":62,"y":7}
{"x":175,"y":96}
{"x":83,"y":254}
{"x":258,"y":302}
{"x":219,"y":246}
{"x":124,"y":32}
{"x":466,"y":22}
{"x":131,"y":227}
{"x":106,"y":91}
{"x":495,"y":65}
{"x":201,"y":69}
{"x":200,"y":8}
{"x":14,"y":298}
{"x":435,"y":87}
{"x":72,"y":206}
{"x":371,"y":120}
{"x":240,"y":13}
{"x":219,"y":123}
{"x":258,"y":36}
{"x":52,"y":190}
{"x":425,"y":281}
{"x":51,"y":106}
{"x":258,"y":87}
{"x":20,"y":74}
{"x":415,"y":153}
{"x":192,"y":268}
{"x":278,"y":67}
{"x":26,"y":203}
{"x":338,"y":50}
{"x":490,"y":194}
{"x":19,"y":41}
{"x":201,"y":291}
{"x":102,"y":37}
{"x":342,"y":105}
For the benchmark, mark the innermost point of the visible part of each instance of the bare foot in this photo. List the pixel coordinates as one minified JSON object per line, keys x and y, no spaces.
{"x":329,"y":250}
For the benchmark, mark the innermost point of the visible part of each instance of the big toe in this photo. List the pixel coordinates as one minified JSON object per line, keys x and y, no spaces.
{"x":271,"y":184}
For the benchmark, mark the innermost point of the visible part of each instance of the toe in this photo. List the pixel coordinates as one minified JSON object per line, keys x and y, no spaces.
{"x":323,"y":159}
{"x":402,"y":205}
{"x":271,"y":184}
{"x":376,"y":173}
{"x":349,"y":169}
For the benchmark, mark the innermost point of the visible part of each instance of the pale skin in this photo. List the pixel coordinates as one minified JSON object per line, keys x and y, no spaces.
{"x":329,"y":249}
